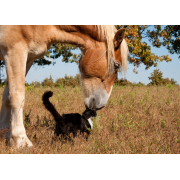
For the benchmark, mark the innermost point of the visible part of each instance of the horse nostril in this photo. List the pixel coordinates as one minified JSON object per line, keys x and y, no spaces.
{"x":92,"y":103}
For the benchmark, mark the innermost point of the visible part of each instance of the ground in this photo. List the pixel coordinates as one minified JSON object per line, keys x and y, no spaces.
{"x":136,"y":120}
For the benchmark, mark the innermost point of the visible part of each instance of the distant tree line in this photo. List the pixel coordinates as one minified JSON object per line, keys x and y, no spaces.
{"x":156,"y":79}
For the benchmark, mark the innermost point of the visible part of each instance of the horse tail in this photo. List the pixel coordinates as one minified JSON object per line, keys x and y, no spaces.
{"x":124,"y":56}
{"x":49,"y":106}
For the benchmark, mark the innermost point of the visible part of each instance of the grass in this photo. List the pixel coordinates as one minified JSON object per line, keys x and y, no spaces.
{"x":143,"y":120}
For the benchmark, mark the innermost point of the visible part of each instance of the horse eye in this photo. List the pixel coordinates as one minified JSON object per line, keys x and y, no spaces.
{"x":116,"y":66}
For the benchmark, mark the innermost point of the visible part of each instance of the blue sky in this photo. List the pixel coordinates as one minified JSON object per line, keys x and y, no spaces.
{"x":170,"y":69}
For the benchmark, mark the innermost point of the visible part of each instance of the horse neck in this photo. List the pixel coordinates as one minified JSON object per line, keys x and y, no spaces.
{"x":82,"y":36}
{"x":88,"y":37}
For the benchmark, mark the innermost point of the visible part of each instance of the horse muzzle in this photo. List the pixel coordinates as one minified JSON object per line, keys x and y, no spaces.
{"x":96,"y":101}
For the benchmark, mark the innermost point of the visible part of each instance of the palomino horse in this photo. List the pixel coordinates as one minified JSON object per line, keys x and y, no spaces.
{"x":104,"y":52}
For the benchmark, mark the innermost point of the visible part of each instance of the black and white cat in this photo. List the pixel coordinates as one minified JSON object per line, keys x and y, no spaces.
{"x":69,"y":123}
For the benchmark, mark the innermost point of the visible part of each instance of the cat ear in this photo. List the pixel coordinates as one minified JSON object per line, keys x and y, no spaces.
{"x":86,"y":107}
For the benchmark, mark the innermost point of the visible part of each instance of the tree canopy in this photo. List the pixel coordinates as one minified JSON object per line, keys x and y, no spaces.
{"x":140,"y":51}
{"x":156,"y":78}
{"x":136,"y":38}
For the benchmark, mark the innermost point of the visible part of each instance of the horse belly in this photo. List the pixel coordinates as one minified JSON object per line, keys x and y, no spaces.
{"x":36,"y":52}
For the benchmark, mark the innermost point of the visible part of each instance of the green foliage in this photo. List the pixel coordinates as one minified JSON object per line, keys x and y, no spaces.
{"x":125,"y":82}
{"x":139,"y":50}
{"x":62,"y":82}
{"x":48,"y":82}
{"x":36,"y":84}
{"x":122,"y":82}
{"x":169,"y":36}
{"x":157,"y":79}
{"x":66,"y":51}
{"x":29,"y":87}
{"x":140,"y":84}
{"x":169,"y":85}
{"x":58,"y":50}
{"x":70,"y":81}
{"x":173,"y":82}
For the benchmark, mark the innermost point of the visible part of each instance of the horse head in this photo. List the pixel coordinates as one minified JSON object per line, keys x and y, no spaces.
{"x":98,"y":73}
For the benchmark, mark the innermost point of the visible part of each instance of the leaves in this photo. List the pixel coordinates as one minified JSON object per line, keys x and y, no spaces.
{"x":139,"y":50}
{"x":156,"y":78}
{"x":57,"y":50}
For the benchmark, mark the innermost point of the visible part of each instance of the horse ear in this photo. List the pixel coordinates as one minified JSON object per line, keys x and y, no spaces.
{"x":119,"y":36}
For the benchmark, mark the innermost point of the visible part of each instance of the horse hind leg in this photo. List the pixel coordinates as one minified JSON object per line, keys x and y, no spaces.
{"x":16,"y":68}
{"x":5,"y":114}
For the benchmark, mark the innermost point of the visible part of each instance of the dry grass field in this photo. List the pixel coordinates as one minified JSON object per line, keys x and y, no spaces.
{"x":136,"y":120}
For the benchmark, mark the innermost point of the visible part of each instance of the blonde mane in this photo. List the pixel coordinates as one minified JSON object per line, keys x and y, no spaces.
{"x":124,"y":56}
{"x":108,"y":31}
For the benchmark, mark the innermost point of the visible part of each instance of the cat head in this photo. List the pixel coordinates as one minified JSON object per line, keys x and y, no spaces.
{"x":89,"y":113}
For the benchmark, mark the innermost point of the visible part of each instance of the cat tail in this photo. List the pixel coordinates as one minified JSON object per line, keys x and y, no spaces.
{"x":49,"y":106}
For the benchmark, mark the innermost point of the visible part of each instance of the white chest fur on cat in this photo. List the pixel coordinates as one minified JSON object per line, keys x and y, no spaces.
{"x":90,"y":122}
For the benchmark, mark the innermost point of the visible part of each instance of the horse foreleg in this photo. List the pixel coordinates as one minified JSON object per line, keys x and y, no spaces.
{"x":5,"y":114}
{"x":15,"y":61}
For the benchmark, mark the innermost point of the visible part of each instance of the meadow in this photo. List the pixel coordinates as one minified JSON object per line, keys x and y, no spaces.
{"x":136,"y":120}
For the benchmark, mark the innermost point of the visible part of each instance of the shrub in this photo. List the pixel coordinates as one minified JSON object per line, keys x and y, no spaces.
{"x":60,"y":82}
{"x":140,"y":84}
{"x":125,"y":82}
{"x":48,"y":82}
{"x":173,"y":82}
{"x":36,"y":84}
{"x":71,"y":82}
{"x":122,"y":82}
{"x":169,"y":85}
{"x":77,"y":78}
{"x":157,"y":79}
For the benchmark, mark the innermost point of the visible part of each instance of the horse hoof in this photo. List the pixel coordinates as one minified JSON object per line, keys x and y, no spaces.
{"x":21,"y":142}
